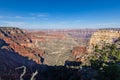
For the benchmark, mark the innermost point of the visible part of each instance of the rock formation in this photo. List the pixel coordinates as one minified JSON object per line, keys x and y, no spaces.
{"x":101,"y":36}
{"x":61,"y":45}
{"x":51,"y":47}
{"x":57,"y":51}
{"x":79,"y":51}
{"x":20,"y":43}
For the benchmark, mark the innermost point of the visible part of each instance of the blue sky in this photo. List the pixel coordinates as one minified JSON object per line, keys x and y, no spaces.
{"x":59,"y":14}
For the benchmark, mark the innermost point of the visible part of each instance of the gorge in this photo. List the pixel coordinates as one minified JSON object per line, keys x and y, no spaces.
{"x":42,"y":49}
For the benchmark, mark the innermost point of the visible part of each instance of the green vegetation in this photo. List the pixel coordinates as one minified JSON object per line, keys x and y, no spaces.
{"x":106,"y":60}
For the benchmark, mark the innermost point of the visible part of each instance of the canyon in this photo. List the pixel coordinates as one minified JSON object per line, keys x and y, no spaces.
{"x":45,"y":50}
{"x":61,"y":45}
{"x":54,"y":47}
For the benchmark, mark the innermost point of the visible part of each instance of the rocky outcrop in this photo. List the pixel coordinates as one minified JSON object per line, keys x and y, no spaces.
{"x":17,"y":35}
{"x":101,"y":36}
{"x":21,"y":43}
{"x":79,"y":51}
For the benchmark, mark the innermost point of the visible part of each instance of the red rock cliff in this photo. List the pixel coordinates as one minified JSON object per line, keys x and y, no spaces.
{"x":21,"y":43}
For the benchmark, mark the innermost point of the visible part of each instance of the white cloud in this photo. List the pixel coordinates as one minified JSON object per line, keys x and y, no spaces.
{"x":17,"y":17}
{"x":24,"y":25}
{"x":28,"y":25}
{"x":39,"y":14}
{"x":29,"y":17}
{"x":11,"y":23}
{"x":20,"y":17}
{"x":102,"y":25}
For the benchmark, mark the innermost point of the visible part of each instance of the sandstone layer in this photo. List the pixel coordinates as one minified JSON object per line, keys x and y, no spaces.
{"x":101,"y":36}
{"x":21,"y":43}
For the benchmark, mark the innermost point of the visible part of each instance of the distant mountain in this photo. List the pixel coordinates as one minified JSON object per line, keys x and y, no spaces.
{"x":118,"y":29}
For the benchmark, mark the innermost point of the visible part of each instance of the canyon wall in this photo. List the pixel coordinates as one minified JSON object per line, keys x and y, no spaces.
{"x":51,"y":47}
{"x":61,"y":45}
{"x":101,"y":36}
{"x":20,"y":43}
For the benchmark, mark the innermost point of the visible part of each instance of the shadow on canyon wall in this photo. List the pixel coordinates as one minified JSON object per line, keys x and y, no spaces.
{"x":9,"y":61}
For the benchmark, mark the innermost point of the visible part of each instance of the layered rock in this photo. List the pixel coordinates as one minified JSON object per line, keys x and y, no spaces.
{"x":102,"y":36}
{"x":79,"y":51}
{"x":57,"y":51}
{"x":21,"y":43}
{"x":62,"y":45}
{"x":58,"y":45}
